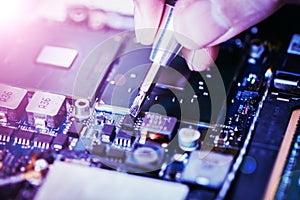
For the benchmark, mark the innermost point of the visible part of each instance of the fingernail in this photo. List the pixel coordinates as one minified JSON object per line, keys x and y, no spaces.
{"x":199,"y":60}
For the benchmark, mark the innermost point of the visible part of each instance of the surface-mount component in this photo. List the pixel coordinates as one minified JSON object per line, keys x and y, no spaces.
{"x":99,"y":149}
{"x":108,"y":133}
{"x":43,"y":141}
{"x":188,"y":139}
{"x":207,"y":168}
{"x":116,"y":154}
{"x":46,"y":110}
{"x":127,"y":122}
{"x":12,"y":102}
{"x":145,"y":157}
{"x":23,"y":137}
{"x":6,"y":134}
{"x":82,"y":109}
{"x":125,"y":138}
{"x":60,"y":142}
{"x":158,"y":126}
{"x":75,"y":129}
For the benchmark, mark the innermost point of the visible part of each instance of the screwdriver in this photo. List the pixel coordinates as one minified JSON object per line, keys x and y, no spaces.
{"x":164,"y":49}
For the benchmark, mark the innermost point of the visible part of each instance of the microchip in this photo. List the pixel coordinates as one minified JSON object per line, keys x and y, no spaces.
{"x":12,"y":102}
{"x":46,"y":110}
{"x":5,"y":134}
{"x":108,"y":133}
{"x":159,"y":124}
{"x":116,"y":154}
{"x":99,"y":149}
{"x":43,"y":141}
{"x":60,"y":142}
{"x":23,"y":137}
{"x":75,"y":129}
{"x":125,"y":138}
{"x":127,"y":122}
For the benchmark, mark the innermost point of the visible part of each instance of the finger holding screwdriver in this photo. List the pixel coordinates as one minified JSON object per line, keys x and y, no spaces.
{"x":200,"y":25}
{"x":164,"y":49}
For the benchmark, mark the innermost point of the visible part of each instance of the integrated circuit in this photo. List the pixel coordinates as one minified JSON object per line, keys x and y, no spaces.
{"x":158,"y":126}
{"x":24,"y":137}
{"x":125,"y":138}
{"x":99,"y":149}
{"x":6,"y":134}
{"x":127,"y":122}
{"x":116,"y":154}
{"x":43,"y":141}
{"x":108,"y":133}
{"x":46,"y":110}
{"x":60,"y":142}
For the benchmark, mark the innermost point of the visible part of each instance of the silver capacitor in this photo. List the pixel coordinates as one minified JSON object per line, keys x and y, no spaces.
{"x":188,"y":139}
{"x":82,"y":109}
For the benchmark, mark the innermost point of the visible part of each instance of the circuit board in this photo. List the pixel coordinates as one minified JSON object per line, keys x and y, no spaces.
{"x":66,"y":131}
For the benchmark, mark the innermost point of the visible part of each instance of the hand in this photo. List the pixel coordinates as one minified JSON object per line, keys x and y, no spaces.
{"x":200,"y":25}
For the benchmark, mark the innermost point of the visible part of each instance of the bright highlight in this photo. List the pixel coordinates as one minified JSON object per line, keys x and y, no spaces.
{"x":9,"y":11}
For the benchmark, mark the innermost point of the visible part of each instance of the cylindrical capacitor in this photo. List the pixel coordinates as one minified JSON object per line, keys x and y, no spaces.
{"x":188,"y":139}
{"x":145,"y":155}
{"x":82,"y":109}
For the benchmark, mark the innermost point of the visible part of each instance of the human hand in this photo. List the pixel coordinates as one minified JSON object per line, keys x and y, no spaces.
{"x":200,"y":25}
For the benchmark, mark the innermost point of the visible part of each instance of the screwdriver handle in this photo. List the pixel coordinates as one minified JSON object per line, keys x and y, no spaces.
{"x":165,"y":46}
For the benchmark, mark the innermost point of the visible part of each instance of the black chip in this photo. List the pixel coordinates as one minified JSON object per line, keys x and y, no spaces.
{"x":128,"y":122}
{"x":108,"y":133}
{"x":159,"y":125}
{"x":5,"y":133}
{"x":74,"y":130}
{"x":43,"y":141}
{"x":24,"y":137}
{"x":60,"y":141}
{"x":99,"y":149}
{"x":125,"y":138}
{"x":116,"y":153}
{"x":108,"y":129}
{"x":124,"y":134}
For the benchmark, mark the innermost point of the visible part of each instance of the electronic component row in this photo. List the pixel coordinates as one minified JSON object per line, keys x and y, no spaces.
{"x":43,"y":109}
{"x":31,"y":138}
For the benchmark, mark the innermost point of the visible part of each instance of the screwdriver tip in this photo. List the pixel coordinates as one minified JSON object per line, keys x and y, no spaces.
{"x":137,"y":104}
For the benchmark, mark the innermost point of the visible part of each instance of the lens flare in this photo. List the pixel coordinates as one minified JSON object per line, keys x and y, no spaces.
{"x":9,"y":11}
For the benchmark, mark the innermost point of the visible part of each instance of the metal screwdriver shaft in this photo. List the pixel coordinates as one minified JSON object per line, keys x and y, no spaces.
{"x":164,"y":50}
